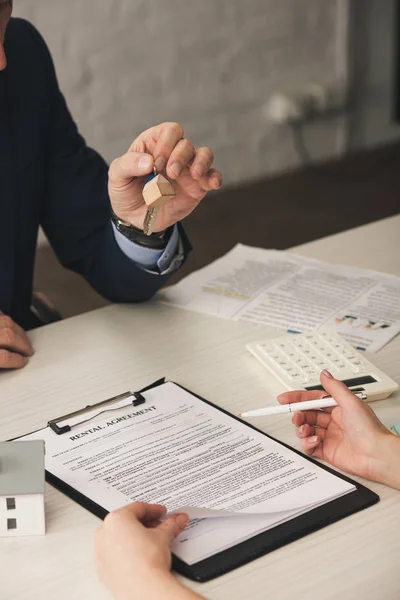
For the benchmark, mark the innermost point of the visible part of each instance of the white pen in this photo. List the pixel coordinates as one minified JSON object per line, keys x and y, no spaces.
{"x":324,"y":402}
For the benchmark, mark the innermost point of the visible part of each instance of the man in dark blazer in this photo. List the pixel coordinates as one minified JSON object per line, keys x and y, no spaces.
{"x":92,"y":215}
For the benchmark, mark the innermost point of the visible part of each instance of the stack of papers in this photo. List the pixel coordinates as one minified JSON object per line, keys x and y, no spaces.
{"x":291,"y":293}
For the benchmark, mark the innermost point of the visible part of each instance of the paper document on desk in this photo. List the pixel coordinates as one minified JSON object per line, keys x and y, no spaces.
{"x":291,"y":293}
{"x":180,"y":451}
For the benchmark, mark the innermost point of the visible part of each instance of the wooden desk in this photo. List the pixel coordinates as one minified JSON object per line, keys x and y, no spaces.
{"x":87,"y":358}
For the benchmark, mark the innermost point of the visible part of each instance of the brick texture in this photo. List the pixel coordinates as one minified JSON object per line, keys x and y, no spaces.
{"x":125,"y":65}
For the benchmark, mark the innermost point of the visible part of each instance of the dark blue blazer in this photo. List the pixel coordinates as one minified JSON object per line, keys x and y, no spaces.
{"x":49,"y":177}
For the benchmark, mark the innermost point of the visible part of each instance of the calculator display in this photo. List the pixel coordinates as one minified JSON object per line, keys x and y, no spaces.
{"x":349,"y":382}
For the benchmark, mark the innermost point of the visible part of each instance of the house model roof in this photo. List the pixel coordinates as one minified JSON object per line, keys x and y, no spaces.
{"x":21,"y":468}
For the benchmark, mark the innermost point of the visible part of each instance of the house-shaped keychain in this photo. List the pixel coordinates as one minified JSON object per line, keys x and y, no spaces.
{"x":22,"y":488}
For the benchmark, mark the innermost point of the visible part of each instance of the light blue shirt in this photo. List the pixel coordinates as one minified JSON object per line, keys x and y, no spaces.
{"x":155,"y":261}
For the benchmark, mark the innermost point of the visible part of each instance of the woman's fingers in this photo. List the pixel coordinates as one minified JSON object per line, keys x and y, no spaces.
{"x":311,"y":417}
{"x":312,"y":446}
{"x":307,"y":431}
{"x":299,"y":396}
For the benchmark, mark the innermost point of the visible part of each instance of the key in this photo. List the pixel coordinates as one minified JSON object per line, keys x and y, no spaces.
{"x":150,"y":216}
{"x":156,"y":192}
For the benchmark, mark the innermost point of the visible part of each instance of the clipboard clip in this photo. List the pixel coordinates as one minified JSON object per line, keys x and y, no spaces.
{"x":137,"y":399}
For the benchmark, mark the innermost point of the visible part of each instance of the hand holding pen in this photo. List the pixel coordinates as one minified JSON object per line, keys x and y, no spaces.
{"x":347,"y":433}
{"x":322,"y":402}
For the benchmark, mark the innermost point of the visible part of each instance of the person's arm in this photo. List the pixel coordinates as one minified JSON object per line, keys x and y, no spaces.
{"x":133,"y":556}
{"x":75,"y":211}
{"x":386,"y":467}
{"x":349,"y":436}
{"x":160,"y":261}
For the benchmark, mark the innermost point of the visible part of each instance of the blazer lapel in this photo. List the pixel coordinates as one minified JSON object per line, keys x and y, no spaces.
{"x":7,"y":199}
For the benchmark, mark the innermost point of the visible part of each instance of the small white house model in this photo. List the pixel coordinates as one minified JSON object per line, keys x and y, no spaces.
{"x":22,"y":488}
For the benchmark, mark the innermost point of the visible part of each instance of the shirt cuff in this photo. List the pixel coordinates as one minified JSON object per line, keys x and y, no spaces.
{"x":149,"y":259}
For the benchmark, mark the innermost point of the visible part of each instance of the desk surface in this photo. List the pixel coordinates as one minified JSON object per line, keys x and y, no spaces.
{"x":94,"y":356}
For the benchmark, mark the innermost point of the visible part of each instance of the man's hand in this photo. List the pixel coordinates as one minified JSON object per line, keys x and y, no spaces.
{"x":188,"y":169}
{"x":349,"y":436}
{"x":133,"y":553}
{"x":15,"y":347}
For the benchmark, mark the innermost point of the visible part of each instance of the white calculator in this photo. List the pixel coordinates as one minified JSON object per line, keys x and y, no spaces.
{"x":296,"y":360}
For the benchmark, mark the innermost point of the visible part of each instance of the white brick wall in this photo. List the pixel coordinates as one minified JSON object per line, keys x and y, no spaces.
{"x":209,"y":64}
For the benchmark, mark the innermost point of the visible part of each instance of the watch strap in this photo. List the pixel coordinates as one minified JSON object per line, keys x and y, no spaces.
{"x":156,"y":241}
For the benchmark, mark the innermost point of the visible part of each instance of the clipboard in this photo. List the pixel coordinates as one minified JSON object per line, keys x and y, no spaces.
{"x":254,"y":547}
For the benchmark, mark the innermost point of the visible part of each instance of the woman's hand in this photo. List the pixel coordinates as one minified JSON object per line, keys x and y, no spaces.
{"x":133,"y":553}
{"x":348,"y":436}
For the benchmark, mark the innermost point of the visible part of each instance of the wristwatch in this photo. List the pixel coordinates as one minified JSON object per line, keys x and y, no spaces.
{"x":156,"y":241}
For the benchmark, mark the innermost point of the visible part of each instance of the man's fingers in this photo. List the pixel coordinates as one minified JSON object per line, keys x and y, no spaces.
{"x":180,"y":158}
{"x":311,"y":417}
{"x":198,"y":189}
{"x":13,"y":337}
{"x":212,"y":180}
{"x":132,"y":164}
{"x":13,"y":341}
{"x":169,"y":136}
{"x":173,"y":526}
{"x":11,"y":360}
{"x":202,"y":162}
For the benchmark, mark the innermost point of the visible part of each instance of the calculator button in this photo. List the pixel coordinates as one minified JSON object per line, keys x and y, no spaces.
{"x":348,"y":353}
{"x":295,"y":376}
{"x":339,"y":363}
{"x":357,"y":366}
{"x":334,"y":341}
{"x":313,"y":374}
{"x":301,"y":358}
{"x":320,"y":346}
{"x":322,"y":364}
{"x":266,"y":348}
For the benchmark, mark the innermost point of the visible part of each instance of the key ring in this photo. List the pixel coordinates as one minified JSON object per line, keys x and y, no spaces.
{"x":151,"y":176}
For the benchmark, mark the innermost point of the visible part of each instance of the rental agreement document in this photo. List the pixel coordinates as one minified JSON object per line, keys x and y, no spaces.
{"x":291,"y":293}
{"x":177,"y":450}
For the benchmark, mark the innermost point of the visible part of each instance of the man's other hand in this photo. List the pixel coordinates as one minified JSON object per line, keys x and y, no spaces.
{"x":15,"y":347}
